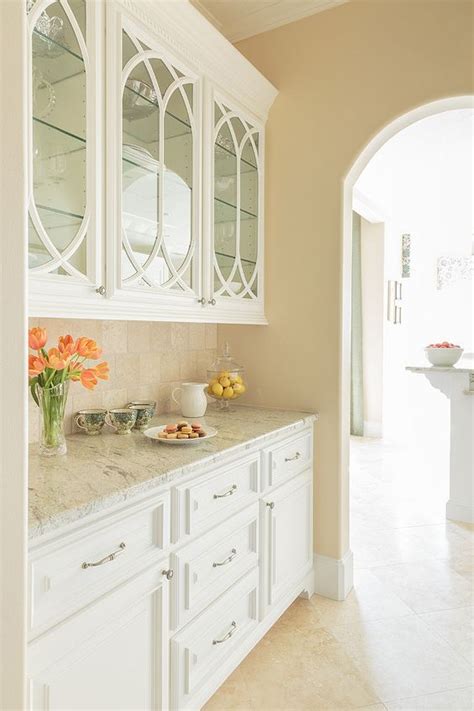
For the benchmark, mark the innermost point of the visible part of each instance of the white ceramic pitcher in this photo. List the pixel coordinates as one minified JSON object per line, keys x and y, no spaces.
{"x":192,"y":400}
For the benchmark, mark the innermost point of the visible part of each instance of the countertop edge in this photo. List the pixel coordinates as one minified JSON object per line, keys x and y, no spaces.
{"x":66,"y":519}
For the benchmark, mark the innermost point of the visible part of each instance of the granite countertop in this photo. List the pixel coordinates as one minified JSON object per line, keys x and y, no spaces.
{"x":98,"y":472}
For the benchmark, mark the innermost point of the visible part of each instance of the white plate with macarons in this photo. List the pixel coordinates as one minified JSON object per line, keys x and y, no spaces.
{"x":175,"y":434}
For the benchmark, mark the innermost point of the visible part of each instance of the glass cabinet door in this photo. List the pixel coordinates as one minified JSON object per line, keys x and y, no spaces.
{"x":236,"y":207}
{"x":160,"y":143}
{"x":61,"y":227}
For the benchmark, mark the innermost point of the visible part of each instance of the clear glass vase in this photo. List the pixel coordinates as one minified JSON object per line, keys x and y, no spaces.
{"x":52,"y":405}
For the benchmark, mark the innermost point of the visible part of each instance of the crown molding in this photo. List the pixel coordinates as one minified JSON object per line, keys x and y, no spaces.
{"x":192,"y":38}
{"x":267,"y":17}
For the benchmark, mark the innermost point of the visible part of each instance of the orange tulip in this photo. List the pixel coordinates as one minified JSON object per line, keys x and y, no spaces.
{"x":36,"y":365}
{"x":66,"y":346}
{"x":88,"y":378}
{"x":75,"y":372}
{"x":88,"y":348}
{"x":37,"y":338}
{"x":102,"y":370}
{"x":56,"y":360}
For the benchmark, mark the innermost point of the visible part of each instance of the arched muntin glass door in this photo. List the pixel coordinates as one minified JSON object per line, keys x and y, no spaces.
{"x":236,"y":208}
{"x":159,"y":231}
{"x":61,"y":221}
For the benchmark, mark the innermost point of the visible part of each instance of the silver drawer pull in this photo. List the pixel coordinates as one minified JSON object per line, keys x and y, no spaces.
{"x":111,"y":556}
{"x":227,"y":560}
{"x":229,"y":634}
{"x":292,"y":459}
{"x":226,"y":493}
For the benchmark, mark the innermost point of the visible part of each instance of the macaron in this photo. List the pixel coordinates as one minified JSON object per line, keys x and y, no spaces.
{"x":182,"y":435}
{"x":186,"y":430}
{"x":194,"y":435}
{"x":171,"y":428}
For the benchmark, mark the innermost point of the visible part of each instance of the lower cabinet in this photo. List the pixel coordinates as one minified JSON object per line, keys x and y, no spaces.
{"x":112,"y":655}
{"x":158,"y":625}
{"x":287,"y":536}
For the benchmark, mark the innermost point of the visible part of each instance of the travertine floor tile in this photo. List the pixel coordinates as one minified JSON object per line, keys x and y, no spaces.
{"x":403,"y":657}
{"x":455,"y":700}
{"x":427,"y":586}
{"x":456,"y":627}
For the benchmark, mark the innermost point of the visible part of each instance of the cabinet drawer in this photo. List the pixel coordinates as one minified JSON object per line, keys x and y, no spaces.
{"x":203,"y":646}
{"x":212,"y":498}
{"x":70,"y":573}
{"x":208,"y":566}
{"x":289,"y":458}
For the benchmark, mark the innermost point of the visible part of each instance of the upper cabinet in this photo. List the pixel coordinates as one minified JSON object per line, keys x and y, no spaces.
{"x":146,"y":165}
{"x":63,"y":235}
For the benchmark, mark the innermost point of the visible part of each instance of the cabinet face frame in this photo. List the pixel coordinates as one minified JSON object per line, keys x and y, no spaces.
{"x":47,"y":288}
{"x":230,"y":308}
{"x":134,"y":301}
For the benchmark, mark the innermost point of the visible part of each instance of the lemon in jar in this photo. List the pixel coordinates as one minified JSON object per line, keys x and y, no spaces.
{"x":239,"y":388}
{"x":217,"y":390}
{"x":228,"y":393}
{"x":225,"y":382}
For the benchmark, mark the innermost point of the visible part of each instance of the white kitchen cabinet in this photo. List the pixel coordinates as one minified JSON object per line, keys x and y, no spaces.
{"x":104,"y":617}
{"x":287,"y":536}
{"x":113,"y":655}
{"x":146,"y":169}
{"x":64,"y":138}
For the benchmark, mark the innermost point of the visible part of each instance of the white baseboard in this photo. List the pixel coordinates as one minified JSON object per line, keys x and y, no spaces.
{"x":459,"y":512}
{"x":372,"y":429}
{"x":334,"y":578}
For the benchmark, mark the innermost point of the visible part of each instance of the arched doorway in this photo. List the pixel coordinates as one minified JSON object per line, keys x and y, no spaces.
{"x":431,"y":109}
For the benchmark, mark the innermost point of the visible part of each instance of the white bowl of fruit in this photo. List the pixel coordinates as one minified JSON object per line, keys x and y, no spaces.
{"x":444,"y":355}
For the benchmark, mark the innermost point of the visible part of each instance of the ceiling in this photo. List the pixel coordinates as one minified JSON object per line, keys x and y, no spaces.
{"x":238,"y":19}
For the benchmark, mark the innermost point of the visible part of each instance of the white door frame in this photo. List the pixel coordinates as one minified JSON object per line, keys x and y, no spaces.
{"x":435,"y":107}
{"x":13,"y":353}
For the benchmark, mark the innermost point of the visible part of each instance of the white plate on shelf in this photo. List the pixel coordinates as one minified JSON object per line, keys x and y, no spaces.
{"x":152,"y":433}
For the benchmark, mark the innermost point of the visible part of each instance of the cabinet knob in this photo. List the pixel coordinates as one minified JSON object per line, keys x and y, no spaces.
{"x":168,"y":573}
{"x":212,"y":302}
{"x":202,"y":301}
{"x":270,"y":504}
{"x":100,"y":290}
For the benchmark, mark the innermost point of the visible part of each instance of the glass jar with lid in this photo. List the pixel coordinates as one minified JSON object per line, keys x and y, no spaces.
{"x":226,"y":379}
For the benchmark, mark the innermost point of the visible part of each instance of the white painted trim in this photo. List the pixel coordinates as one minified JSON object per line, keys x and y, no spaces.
{"x":459,"y":512}
{"x":367,"y":208}
{"x":193,"y":39}
{"x":13,"y":384}
{"x":372,"y":429}
{"x":334,"y":578}
{"x":435,"y":107}
{"x":270,"y":16}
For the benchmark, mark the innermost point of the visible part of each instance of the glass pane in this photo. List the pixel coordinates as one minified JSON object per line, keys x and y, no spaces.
{"x":178,"y":184}
{"x":128,"y":48}
{"x":59,"y":131}
{"x":248,"y":210}
{"x":141,"y":113}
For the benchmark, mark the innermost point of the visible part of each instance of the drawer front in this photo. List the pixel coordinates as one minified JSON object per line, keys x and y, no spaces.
{"x":203,"y":646}
{"x":69,"y":574}
{"x":208,"y":566}
{"x":289,"y":458}
{"x":211,"y":499}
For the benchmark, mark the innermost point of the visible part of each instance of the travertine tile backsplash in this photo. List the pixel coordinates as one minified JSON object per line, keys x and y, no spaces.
{"x":147,"y":360}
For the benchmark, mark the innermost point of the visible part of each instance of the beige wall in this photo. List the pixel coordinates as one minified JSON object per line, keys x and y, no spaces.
{"x":147,"y":360}
{"x":342,"y":75}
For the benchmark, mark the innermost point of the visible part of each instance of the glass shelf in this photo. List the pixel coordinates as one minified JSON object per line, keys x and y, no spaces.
{"x":45,"y":132}
{"x":226,"y":212}
{"x":61,"y":63}
{"x":52,"y":218}
{"x":174,"y":126}
{"x":232,"y":258}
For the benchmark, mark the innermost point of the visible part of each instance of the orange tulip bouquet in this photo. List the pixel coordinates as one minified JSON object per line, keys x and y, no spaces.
{"x":50,"y":372}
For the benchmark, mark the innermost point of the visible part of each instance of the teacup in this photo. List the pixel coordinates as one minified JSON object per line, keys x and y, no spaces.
{"x":91,"y":421}
{"x":122,"y":419}
{"x":145,"y":411}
